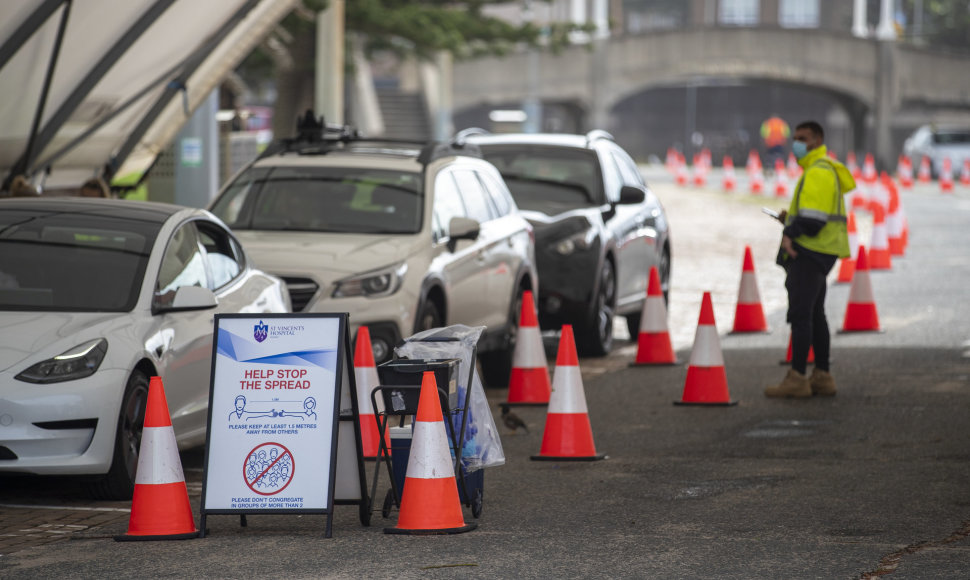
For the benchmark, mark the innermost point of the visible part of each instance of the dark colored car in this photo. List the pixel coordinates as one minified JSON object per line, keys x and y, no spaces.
{"x":598,"y":228}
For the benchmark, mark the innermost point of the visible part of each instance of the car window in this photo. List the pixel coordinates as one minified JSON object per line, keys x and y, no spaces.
{"x":628,"y":169}
{"x":611,"y":177}
{"x":51,"y":260}
{"x":222,"y":255}
{"x":447,"y":203}
{"x":549,"y":179}
{"x":357,"y":200}
{"x":498,"y":194}
{"x":230,"y":204}
{"x":183,"y":264}
{"x":951,"y":138}
{"x":473,"y":194}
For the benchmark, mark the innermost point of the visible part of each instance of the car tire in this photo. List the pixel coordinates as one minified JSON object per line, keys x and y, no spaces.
{"x":595,"y":335}
{"x":429,"y":316}
{"x":496,"y":365}
{"x":119,"y":482}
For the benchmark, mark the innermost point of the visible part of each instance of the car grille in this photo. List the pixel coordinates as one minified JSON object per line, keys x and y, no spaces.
{"x":301,"y":291}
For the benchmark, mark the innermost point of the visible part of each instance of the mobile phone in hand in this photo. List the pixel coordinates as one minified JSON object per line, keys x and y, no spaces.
{"x":772,"y":213}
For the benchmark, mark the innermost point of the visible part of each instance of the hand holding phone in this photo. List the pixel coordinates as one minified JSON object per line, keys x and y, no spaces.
{"x":772,"y":213}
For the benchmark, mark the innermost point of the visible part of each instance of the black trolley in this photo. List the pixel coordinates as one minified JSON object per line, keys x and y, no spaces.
{"x":399,"y":392}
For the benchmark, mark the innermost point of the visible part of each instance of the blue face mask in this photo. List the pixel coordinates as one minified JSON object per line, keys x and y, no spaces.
{"x":799,"y":148}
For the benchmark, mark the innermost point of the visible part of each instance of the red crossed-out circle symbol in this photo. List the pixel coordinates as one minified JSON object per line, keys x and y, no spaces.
{"x":268,"y":468}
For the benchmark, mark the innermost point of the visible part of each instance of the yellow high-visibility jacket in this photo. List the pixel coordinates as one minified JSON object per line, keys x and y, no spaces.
{"x":819,"y":196}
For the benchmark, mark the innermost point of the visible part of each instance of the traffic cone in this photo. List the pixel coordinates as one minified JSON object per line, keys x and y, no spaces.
{"x":706,"y":382}
{"x":781,"y":179}
{"x":365,"y":373}
{"x":794,"y":169}
{"x":730,"y":180}
{"x":847,"y":265}
{"x":700,"y":171}
{"x":965,"y":172}
{"x":160,"y":507}
{"x":568,"y":435}
{"x":894,"y":221}
{"x":680,"y":172}
{"x":756,"y":175}
{"x":869,"y":169}
{"x":923,"y":175}
{"x":860,"y":313}
{"x":904,"y":171}
{"x":749,"y":316}
{"x":787,"y":361}
{"x":879,"y":255}
{"x":946,"y":176}
{"x":430,"y":503}
{"x":853,"y":166}
{"x":529,"y":381}
{"x":653,"y":342}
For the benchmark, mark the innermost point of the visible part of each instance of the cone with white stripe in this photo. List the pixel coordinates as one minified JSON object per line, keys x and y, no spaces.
{"x":365,"y":373}
{"x":568,"y":435}
{"x":879,"y":255}
{"x":653,"y":342}
{"x":946,"y":176}
{"x":706,"y":382}
{"x":860,"y":313}
{"x":730,"y":179}
{"x":749,"y":316}
{"x":924,"y":174}
{"x":529,"y":381}
{"x":160,"y":507}
{"x":430,"y":504}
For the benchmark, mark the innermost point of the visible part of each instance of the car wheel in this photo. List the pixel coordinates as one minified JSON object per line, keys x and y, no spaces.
{"x":119,"y":482}
{"x":428,"y":317}
{"x":663,"y":269}
{"x":496,"y":365}
{"x":595,"y":337}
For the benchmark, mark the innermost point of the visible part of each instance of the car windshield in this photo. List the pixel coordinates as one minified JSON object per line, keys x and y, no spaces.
{"x":323,"y":199}
{"x":77,"y":262}
{"x":951,"y":138}
{"x":548,"y":179}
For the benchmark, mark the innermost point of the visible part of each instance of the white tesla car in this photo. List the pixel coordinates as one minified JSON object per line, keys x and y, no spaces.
{"x":96,"y":296}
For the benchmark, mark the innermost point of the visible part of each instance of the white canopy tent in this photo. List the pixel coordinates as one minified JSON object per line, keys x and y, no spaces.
{"x":101,"y":87}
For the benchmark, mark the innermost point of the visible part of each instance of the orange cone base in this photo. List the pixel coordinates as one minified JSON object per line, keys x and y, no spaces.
{"x":706,"y":386}
{"x":749,"y":318}
{"x":163,"y":514}
{"x":861,"y":318}
{"x":529,"y":386}
{"x":654,"y":348}
{"x":417,"y":517}
{"x":567,"y":437}
{"x":896,"y":247}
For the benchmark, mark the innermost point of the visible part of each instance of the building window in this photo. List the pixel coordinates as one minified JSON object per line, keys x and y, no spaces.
{"x":739,"y":12}
{"x":798,"y":13}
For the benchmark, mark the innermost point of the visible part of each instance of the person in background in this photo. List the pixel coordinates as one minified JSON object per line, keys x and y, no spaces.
{"x":815,"y":236}
{"x":775,"y":132}
{"x":95,"y":187}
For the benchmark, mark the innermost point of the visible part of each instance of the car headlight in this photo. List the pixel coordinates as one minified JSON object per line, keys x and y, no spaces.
{"x":579,"y":241}
{"x":373,"y":284}
{"x":76,"y":363}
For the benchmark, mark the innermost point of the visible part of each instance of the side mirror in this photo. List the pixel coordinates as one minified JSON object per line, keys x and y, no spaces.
{"x":630,"y":195}
{"x":188,"y":298}
{"x":462,"y":228}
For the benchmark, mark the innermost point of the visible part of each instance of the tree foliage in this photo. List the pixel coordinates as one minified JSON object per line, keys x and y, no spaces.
{"x":945,"y":23}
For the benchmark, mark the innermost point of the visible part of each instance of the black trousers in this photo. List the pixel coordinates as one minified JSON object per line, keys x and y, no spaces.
{"x":806,"y":287}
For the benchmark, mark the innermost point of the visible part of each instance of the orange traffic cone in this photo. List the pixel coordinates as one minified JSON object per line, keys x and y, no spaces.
{"x":756,"y":175}
{"x":852,"y":164}
{"x":787,"y":361}
{"x":869,"y":169}
{"x":781,"y":179}
{"x":793,"y":168}
{"x":653,"y":342}
{"x":706,"y":380}
{"x":965,"y":173}
{"x":529,"y":381}
{"x":365,"y":373}
{"x":879,"y":256}
{"x":700,"y":171}
{"x":904,"y":171}
{"x":749,"y":316}
{"x":847,"y":265}
{"x":923,"y":175}
{"x":160,"y":507}
{"x":894,"y":221}
{"x":860,"y":313}
{"x":430,"y":503}
{"x":568,"y":435}
{"x":946,"y":176}
{"x":730,"y":179}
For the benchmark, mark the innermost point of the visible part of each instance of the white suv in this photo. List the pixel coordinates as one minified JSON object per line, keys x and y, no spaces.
{"x":403,"y":236}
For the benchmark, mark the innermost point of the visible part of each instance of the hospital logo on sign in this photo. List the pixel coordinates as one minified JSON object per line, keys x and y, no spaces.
{"x":260,"y":331}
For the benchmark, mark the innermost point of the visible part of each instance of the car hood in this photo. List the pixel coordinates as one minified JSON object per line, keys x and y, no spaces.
{"x":285,"y":253}
{"x":29,"y":335}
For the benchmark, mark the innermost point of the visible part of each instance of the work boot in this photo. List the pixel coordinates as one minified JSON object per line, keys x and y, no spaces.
{"x":822,"y":383}
{"x":795,"y":385}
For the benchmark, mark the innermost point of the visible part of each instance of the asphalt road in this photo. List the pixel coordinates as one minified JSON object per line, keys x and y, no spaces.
{"x":870,"y":483}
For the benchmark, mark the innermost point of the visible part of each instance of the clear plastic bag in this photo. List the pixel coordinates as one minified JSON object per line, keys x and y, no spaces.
{"x":482,"y":445}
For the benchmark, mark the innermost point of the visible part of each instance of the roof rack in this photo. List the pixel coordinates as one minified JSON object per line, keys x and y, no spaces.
{"x":438,"y":149}
{"x":597,"y":134}
{"x":313,"y":135}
